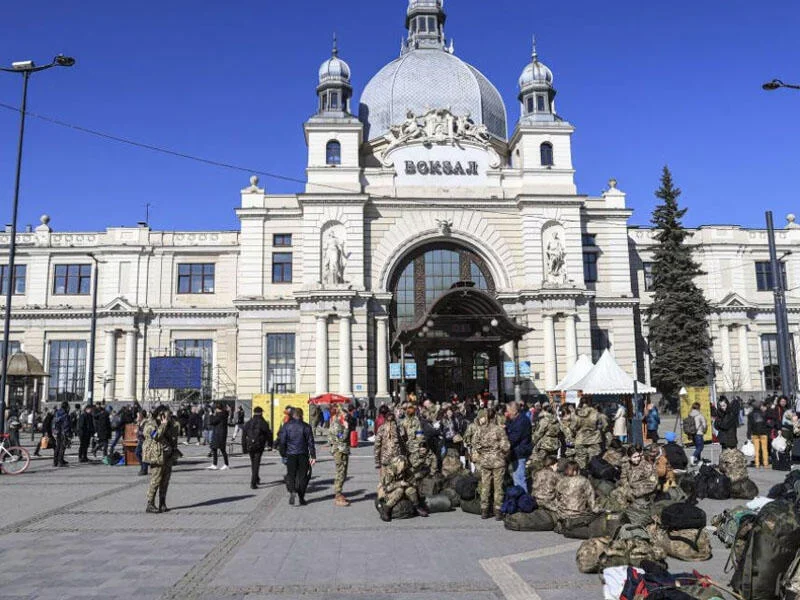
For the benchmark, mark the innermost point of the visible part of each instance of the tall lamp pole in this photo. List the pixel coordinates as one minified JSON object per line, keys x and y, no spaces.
{"x":93,"y":331}
{"x":781,"y":313}
{"x":24,"y":68}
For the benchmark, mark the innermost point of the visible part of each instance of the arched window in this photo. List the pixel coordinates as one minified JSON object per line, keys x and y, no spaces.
{"x":333,"y":153}
{"x":546,"y":151}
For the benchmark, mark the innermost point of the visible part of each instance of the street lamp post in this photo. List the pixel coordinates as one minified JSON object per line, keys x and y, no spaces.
{"x":781,"y":313}
{"x":93,"y":331}
{"x":24,"y":68}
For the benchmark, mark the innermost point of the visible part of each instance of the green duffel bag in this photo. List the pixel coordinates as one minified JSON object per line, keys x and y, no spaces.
{"x":455,"y":499}
{"x":575,"y":528}
{"x":439,"y":503}
{"x":607,"y":525}
{"x":538,"y":520}
{"x":473,"y":506}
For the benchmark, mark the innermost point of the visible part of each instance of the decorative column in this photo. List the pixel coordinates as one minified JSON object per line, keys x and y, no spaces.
{"x":345,"y":356}
{"x":322,"y":354}
{"x":572,"y":341}
{"x":550,"y":365}
{"x":382,"y":355}
{"x":111,"y":365}
{"x":725,"y":342}
{"x":744,"y":360}
{"x":130,"y":365}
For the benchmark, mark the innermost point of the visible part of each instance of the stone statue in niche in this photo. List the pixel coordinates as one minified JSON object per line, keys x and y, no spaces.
{"x":555,"y":256}
{"x":333,"y":260}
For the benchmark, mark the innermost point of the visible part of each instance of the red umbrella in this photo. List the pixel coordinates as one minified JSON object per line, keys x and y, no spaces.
{"x":330,"y":399}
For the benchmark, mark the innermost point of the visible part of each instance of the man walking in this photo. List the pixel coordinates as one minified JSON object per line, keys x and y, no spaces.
{"x":219,"y":437}
{"x":62,"y":431}
{"x":296,"y":445}
{"x":339,"y":441}
{"x":255,"y":435}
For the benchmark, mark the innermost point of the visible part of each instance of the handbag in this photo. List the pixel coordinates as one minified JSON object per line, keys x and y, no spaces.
{"x":45,"y":444}
{"x":749,"y":449}
{"x":778,"y":444}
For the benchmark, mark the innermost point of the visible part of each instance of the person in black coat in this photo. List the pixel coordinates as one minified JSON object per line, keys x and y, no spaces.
{"x":296,"y":445}
{"x":726,"y":424}
{"x":85,"y":433}
{"x":219,"y":426}
{"x":102,"y":427}
{"x":256,"y":433}
{"x":194,"y":426}
{"x":676,"y":455}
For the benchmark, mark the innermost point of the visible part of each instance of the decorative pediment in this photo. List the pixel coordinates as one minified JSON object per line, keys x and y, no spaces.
{"x":735,"y":301}
{"x":440,"y":127}
{"x":119,"y":305}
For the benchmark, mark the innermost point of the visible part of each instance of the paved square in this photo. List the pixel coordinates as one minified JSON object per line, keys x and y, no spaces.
{"x":81,"y":532}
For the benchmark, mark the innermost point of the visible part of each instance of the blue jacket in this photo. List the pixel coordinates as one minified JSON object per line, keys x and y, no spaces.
{"x":296,"y":437}
{"x":519,"y":434}
{"x":61,"y":423}
{"x":653,"y":420}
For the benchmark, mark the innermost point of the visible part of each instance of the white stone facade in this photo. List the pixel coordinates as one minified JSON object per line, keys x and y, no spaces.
{"x":438,"y":180}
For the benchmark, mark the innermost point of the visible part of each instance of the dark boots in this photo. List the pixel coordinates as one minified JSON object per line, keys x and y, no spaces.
{"x":386,"y":513}
{"x":162,"y":504}
{"x":151,"y":508}
{"x":422,"y":511}
{"x":486,"y":514}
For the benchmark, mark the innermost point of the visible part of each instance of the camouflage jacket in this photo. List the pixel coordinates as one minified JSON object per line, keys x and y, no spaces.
{"x":160,"y":442}
{"x":388,"y":443}
{"x":545,"y":437}
{"x":586,"y":427}
{"x":393,"y":478}
{"x":575,"y":497}
{"x":491,"y":442}
{"x":640,"y":480}
{"x":733,"y":464}
{"x":339,"y":437}
{"x":544,"y":487}
{"x":412,"y":433}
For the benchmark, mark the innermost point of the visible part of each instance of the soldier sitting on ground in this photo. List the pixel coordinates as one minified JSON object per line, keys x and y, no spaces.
{"x":575,"y":497}
{"x":397,"y":483}
{"x":545,"y":483}
{"x":639,"y":479}
{"x":615,"y":455}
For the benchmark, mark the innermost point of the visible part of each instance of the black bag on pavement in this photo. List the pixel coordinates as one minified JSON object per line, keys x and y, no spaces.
{"x":683,"y":516}
{"x":438,"y":504}
{"x":472,"y":506}
{"x":466,"y":487}
{"x":602,"y":469}
{"x":538,"y":520}
{"x":431,"y":485}
{"x":744,"y":490}
{"x":455,"y":499}
{"x":712,"y":484}
{"x":770,"y":548}
{"x":404,"y":509}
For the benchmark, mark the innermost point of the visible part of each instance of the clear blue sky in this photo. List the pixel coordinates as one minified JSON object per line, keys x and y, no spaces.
{"x":645,"y":83}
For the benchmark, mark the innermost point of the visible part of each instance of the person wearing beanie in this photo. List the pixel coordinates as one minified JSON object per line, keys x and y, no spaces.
{"x":675,"y":454}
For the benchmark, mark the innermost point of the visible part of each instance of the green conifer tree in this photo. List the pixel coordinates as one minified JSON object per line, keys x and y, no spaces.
{"x":680,"y":344}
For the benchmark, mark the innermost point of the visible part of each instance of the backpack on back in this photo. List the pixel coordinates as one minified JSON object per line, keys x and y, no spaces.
{"x":770,"y":548}
{"x":689,"y":426}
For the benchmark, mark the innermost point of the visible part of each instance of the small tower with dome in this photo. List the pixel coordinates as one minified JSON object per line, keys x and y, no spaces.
{"x":536,"y":92}
{"x":333,"y":134}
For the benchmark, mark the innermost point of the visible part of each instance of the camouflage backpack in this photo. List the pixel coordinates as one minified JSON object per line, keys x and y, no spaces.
{"x":631,"y":546}
{"x":588,"y":557}
{"x":734,"y":464}
{"x":729,"y":522}
{"x":688,"y":545}
{"x":790,"y":585}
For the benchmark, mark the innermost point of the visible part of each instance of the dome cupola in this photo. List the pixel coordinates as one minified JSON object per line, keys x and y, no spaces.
{"x":425,"y":23}
{"x":334,"y":89}
{"x":536,"y":92}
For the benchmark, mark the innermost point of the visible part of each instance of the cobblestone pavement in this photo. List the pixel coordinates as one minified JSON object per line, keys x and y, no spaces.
{"x":81,"y":532}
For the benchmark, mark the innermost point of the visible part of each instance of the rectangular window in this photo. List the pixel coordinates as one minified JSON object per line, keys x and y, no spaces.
{"x":540,"y":103}
{"x":67,"y":370}
{"x":281,"y":362}
{"x":324,"y":101}
{"x":589,"y":239}
{"x":647,"y":268}
{"x":772,"y":365}
{"x":72,"y":280}
{"x":432,"y":25}
{"x":764,"y":281}
{"x":195,"y":278}
{"x":590,"y":267}
{"x":600,"y":343}
{"x":203,"y":349}
{"x":530,"y":104}
{"x":334,"y":100}
{"x":282,"y":267}
{"x":422,"y":24}
{"x":19,"y":279}
{"x":13,"y":347}
{"x":282,"y":239}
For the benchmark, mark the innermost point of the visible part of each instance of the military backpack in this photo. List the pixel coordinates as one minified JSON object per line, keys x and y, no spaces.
{"x":790,"y":585}
{"x":729,"y":522}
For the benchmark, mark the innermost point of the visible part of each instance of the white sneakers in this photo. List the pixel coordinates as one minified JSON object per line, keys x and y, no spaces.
{"x":212,"y":467}
{"x":223,"y":468}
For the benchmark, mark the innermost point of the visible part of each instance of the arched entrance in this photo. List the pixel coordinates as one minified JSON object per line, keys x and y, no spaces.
{"x":445,"y":318}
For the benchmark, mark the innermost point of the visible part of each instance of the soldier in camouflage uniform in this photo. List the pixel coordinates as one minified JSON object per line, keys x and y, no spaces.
{"x":588,"y":436}
{"x":427,"y":464}
{"x":615,"y":455}
{"x":338,"y":434}
{"x":159,"y":451}
{"x":545,"y":438}
{"x":566,"y":417}
{"x":639,"y":479}
{"x":733,"y":464}
{"x":545,"y":483}
{"x":388,"y":442}
{"x":575,"y":495}
{"x":469,"y":439}
{"x":491,"y":442}
{"x":397,"y":483}
{"x":413,"y":435}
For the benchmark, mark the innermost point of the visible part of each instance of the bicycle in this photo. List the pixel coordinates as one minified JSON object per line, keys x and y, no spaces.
{"x":14,"y":460}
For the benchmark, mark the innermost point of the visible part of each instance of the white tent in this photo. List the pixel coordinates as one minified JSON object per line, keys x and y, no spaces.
{"x":578,"y":371}
{"x":607,"y":377}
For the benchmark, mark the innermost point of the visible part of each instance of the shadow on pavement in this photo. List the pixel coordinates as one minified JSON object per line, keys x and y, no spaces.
{"x":225,"y":500}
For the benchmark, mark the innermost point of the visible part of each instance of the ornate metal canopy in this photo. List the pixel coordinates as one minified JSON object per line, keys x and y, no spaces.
{"x":463,"y":315}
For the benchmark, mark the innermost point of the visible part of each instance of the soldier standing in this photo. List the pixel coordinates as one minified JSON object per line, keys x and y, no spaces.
{"x":545,"y":438}
{"x":492,"y":444}
{"x":586,"y":428}
{"x":159,"y":452}
{"x":339,"y":441}
{"x":388,"y":442}
{"x":413,"y":434}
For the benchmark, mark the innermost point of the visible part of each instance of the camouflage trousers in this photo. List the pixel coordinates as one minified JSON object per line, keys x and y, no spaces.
{"x":159,"y":482}
{"x":392,"y":498}
{"x":583,"y":454}
{"x":341,"y":460}
{"x":492,"y":478}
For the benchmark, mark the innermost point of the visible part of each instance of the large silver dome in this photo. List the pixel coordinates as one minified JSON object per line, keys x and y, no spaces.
{"x":426,"y":78}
